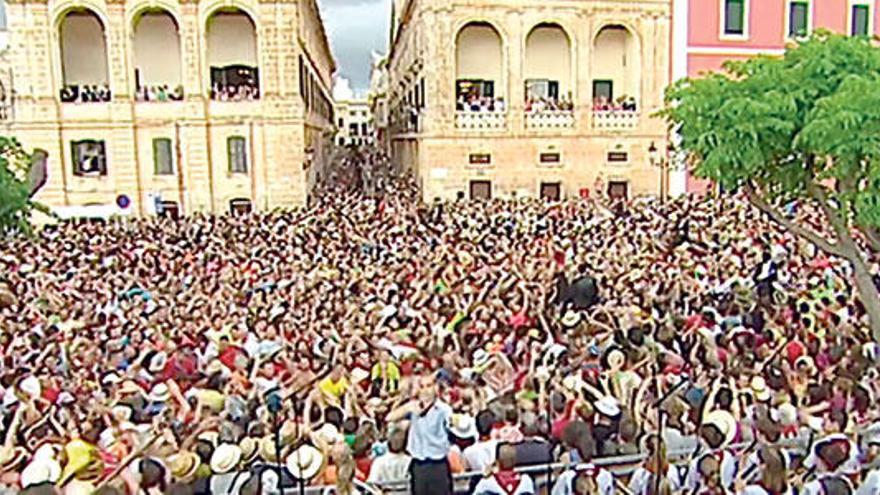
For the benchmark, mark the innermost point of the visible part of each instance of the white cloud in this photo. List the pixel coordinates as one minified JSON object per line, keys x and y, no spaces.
{"x":356,"y":28}
{"x":342,"y":89}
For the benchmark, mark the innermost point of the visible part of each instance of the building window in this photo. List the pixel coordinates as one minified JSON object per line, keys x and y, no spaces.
{"x":798,"y":19}
{"x":734,"y":17}
{"x":341,"y":123}
{"x":235,"y":148}
{"x":168,"y":209}
{"x":860,"y":23}
{"x":163,"y":162}
{"x":364,"y":130}
{"x":353,"y":129}
{"x":603,"y":89}
{"x":89,"y":158}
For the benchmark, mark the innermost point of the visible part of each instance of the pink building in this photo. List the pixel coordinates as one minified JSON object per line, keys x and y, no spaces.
{"x":708,"y":32}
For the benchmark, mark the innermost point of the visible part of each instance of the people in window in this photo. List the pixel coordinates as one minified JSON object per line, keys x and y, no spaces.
{"x":87,"y":93}
{"x":234,"y":92}
{"x":160,"y":92}
{"x":621,"y":104}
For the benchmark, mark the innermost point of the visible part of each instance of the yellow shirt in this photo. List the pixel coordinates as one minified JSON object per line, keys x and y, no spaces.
{"x":333,"y":389}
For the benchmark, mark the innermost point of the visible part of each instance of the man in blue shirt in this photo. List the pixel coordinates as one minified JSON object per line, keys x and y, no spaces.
{"x":427,"y":440}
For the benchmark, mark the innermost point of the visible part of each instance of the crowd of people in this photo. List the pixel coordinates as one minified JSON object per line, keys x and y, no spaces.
{"x":539,"y":105}
{"x":373,"y":338}
{"x":160,"y":92}
{"x":235,"y":92}
{"x":624,"y":104}
{"x":86,"y":93}
{"x":476,"y":103}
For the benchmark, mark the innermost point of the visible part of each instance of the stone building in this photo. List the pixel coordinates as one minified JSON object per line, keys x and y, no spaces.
{"x":177,"y":105}
{"x":551,"y":98}
{"x":354,"y":122}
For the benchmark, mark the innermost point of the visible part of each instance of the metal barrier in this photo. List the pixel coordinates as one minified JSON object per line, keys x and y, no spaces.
{"x":619,"y":466}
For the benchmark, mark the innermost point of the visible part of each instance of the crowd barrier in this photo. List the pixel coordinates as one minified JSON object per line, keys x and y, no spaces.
{"x":619,"y":466}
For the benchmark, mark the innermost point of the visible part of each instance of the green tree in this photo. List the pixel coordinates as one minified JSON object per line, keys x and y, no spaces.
{"x":805,"y":126}
{"x":16,"y":204}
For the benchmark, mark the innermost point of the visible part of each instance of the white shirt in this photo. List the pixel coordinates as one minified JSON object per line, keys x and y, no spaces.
{"x":480,"y":455}
{"x":604,"y":480}
{"x":641,"y":480}
{"x":491,"y":486}
{"x":389,"y":467}
{"x":871,"y":485}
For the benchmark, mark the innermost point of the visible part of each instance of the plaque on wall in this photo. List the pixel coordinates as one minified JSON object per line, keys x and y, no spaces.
{"x":550,"y":158}
{"x":480,"y":159}
{"x":618,"y":156}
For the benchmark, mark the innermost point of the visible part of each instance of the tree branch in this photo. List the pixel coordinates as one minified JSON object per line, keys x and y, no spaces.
{"x":872,"y":237}
{"x":760,"y":203}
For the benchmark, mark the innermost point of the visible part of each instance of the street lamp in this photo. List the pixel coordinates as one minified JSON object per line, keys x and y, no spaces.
{"x":661,"y":160}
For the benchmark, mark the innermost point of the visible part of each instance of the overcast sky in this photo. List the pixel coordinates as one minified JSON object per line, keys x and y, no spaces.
{"x":356,"y":28}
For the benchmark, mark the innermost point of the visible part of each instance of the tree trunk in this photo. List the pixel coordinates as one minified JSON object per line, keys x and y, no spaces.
{"x":869,"y":295}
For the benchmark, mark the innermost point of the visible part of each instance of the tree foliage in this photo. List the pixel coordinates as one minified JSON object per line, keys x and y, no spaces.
{"x":804,"y":126}
{"x":16,"y":204}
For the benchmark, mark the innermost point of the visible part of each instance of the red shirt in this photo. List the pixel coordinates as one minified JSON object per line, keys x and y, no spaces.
{"x":228,"y":356}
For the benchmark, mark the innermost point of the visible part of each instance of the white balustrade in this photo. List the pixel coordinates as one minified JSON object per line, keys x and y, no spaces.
{"x":615,"y":120}
{"x":550,"y":119}
{"x":480,"y":121}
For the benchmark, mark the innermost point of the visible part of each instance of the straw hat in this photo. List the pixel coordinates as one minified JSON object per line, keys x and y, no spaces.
{"x":267,"y":449}
{"x":463,"y":426}
{"x":157,"y":362}
{"x":616,"y":359}
{"x":759,"y":388}
{"x":225,"y":458}
{"x":40,"y":470}
{"x":210,"y":437}
{"x":160,"y":393}
{"x":481,"y":359}
{"x":328,"y":434}
{"x":724,"y":422}
{"x":249,"y":449}
{"x":571,"y":319}
{"x":608,"y":406}
{"x":305,"y":462}
{"x":183,"y":466}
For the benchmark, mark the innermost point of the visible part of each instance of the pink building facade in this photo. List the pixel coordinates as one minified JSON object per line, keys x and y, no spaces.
{"x":706,"y":33}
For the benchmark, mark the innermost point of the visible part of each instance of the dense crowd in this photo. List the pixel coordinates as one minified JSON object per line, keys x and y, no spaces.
{"x":372,"y":337}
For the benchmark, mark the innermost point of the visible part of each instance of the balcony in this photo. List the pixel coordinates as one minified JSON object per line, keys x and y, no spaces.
{"x":550,"y":119}
{"x":615,"y":120}
{"x":480,"y":120}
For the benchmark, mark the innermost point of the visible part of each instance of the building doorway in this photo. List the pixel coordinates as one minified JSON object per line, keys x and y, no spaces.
{"x":551,"y":191}
{"x":169,"y":209}
{"x":481,"y":189}
{"x":618,"y":190}
{"x":240,"y":207}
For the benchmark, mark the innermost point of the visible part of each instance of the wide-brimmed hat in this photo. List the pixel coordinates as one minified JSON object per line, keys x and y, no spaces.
{"x":759,"y":389}
{"x":249,"y":449}
{"x":267,"y":449}
{"x":570,"y":319}
{"x":616,"y":358}
{"x":724,"y":422}
{"x":463,"y":426}
{"x":328,"y":434}
{"x":305,"y":462}
{"x":211,"y":437}
{"x":608,"y":406}
{"x":481,"y":359}
{"x":225,"y":458}
{"x":160,"y":393}
{"x":130,"y":387}
{"x":183,"y":465}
